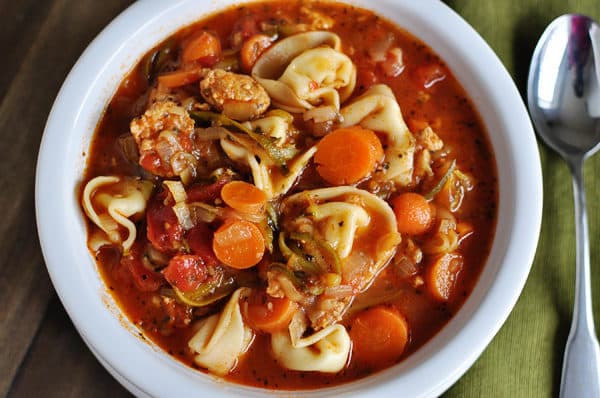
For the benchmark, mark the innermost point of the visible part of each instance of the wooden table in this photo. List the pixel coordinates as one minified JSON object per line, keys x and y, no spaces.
{"x":41,"y":354}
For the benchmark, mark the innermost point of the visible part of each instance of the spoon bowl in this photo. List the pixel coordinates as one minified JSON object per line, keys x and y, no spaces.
{"x":564,"y":101}
{"x":563,"y":88}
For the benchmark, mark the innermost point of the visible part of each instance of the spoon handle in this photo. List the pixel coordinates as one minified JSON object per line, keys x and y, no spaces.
{"x":581,"y":363}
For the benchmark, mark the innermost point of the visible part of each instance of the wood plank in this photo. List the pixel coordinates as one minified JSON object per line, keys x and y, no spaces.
{"x":24,"y":285}
{"x":20,"y":26}
{"x":79,"y":373}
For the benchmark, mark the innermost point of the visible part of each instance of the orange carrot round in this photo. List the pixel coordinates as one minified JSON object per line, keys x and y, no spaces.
{"x":413,"y":213}
{"x":203,"y":47}
{"x":347,"y":155}
{"x":266,"y":313}
{"x":244,"y":197}
{"x":379,"y":336}
{"x":442,"y":274}
{"x":252,"y":49}
{"x":238,"y":244}
{"x":179,"y":78}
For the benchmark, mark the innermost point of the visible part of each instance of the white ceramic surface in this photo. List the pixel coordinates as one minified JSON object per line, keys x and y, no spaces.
{"x":147,"y":371}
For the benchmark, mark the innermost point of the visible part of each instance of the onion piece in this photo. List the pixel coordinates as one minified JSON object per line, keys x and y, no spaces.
{"x":378,"y":50}
{"x":177,"y":190}
{"x":339,"y":291}
{"x":393,"y":64}
{"x":201,"y":212}
{"x":183,"y":215}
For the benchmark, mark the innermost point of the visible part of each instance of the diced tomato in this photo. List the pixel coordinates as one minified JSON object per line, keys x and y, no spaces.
{"x":199,"y":241}
{"x":186,"y":272}
{"x":366,"y":78}
{"x":206,"y":193}
{"x":163,"y":229}
{"x":243,"y":29}
{"x":152,"y":162}
{"x":430,"y":74}
{"x":145,"y":279}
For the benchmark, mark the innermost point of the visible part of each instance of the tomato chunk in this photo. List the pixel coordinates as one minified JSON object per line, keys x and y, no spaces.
{"x":163,"y":229}
{"x":143,"y":277}
{"x":199,"y":241}
{"x":186,"y":272}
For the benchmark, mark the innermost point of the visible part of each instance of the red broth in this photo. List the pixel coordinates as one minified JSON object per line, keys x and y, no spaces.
{"x":428,"y":95}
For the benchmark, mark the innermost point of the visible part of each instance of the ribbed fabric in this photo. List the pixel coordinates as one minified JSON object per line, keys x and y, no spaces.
{"x":525,"y":357}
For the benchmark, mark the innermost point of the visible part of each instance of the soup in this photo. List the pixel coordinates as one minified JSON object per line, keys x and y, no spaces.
{"x":290,"y":195}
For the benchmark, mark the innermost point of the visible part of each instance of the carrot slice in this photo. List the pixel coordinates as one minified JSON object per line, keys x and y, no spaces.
{"x":203,"y":47}
{"x":238,"y":244}
{"x":268,"y":314}
{"x":347,"y":155}
{"x":252,"y":49}
{"x":379,"y":336}
{"x":413,"y":213}
{"x":179,"y":78}
{"x":442,"y":274}
{"x":244,"y":197}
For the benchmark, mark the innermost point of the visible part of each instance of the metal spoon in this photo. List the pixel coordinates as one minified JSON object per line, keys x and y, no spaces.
{"x":564,"y":101}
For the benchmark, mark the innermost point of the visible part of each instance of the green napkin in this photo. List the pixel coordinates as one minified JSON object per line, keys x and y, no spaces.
{"x":525,"y":357}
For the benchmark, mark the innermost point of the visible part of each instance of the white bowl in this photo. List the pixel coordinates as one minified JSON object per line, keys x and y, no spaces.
{"x":145,"y":369}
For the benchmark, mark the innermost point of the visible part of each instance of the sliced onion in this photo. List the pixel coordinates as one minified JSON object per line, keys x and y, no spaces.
{"x":177,"y":190}
{"x":164,"y":150}
{"x":228,"y":212}
{"x":183,"y":215}
{"x":339,"y":291}
{"x":378,"y":50}
{"x":406,"y":268}
{"x":181,"y":161}
{"x":201,"y":212}
{"x":289,"y":290}
{"x":355,"y":266}
{"x":393,"y":65}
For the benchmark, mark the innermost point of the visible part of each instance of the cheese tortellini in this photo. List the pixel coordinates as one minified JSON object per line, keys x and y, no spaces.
{"x":351,"y":221}
{"x":306,"y":70}
{"x":111,"y":201}
{"x":222,"y":338}
{"x":377,"y":109}
{"x":267,"y":175}
{"x":325,"y":351}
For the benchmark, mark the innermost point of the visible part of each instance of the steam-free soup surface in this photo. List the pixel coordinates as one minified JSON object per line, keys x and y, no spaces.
{"x":376,"y":255}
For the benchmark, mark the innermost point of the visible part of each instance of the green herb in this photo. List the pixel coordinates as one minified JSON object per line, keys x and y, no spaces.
{"x":279,"y":154}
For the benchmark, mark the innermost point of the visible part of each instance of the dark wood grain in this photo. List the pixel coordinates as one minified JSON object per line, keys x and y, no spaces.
{"x":61,"y":365}
{"x":50,"y":36}
{"x":22,"y":22}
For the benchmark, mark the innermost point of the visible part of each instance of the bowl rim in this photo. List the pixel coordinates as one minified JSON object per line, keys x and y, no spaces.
{"x":454,"y":348}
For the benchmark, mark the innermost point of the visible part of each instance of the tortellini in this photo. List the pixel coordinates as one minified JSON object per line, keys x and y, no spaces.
{"x":324,"y":351}
{"x":306,"y":70}
{"x":342,"y":220}
{"x":351,"y":220}
{"x":376,"y":109}
{"x":222,"y":338}
{"x":266,"y":175}
{"x":111,"y":201}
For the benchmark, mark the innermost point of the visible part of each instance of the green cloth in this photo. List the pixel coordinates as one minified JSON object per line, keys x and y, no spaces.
{"x":525,"y":357}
